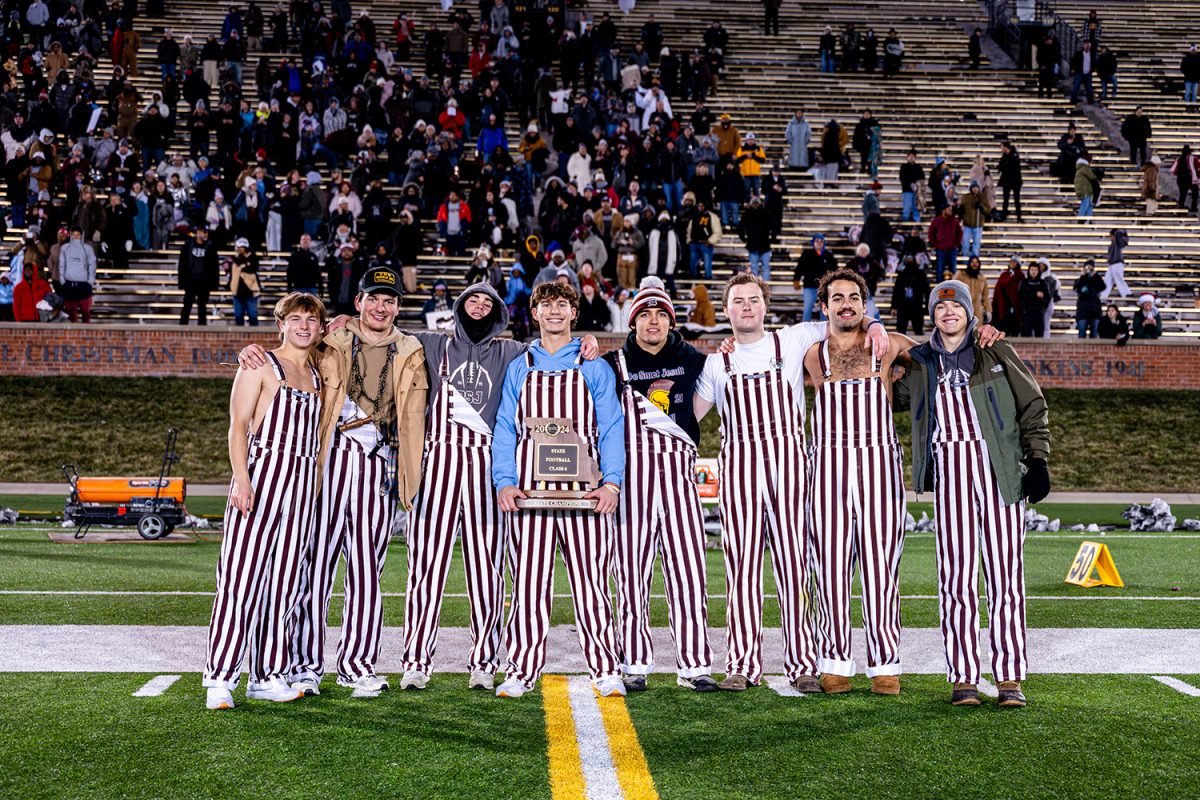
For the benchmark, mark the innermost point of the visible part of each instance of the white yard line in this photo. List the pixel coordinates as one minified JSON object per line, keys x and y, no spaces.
{"x":599,"y":772}
{"x":463,"y":595}
{"x":180,"y":649}
{"x":1062,"y":535}
{"x":1177,"y":685}
{"x":780,"y":685}
{"x":156,"y":686}
{"x":987,"y":689}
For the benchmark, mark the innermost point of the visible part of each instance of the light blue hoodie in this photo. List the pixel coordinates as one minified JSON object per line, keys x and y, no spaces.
{"x":602,"y":385}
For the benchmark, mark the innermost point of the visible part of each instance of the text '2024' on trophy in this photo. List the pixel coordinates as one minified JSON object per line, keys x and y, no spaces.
{"x":560,"y":460}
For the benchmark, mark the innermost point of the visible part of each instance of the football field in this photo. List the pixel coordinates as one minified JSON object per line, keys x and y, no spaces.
{"x":100,"y":696}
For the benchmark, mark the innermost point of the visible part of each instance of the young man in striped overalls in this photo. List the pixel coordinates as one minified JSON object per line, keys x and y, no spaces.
{"x":759,"y":392}
{"x":858,"y":504}
{"x":372,"y":429}
{"x":660,"y":506}
{"x":981,"y":442}
{"x":466,"y":373}
{"x":554,"y":382}
{"x":273,"y":439}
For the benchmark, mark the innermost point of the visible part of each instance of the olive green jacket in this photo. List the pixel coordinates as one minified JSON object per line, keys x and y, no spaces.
{"x":1008,"y":402}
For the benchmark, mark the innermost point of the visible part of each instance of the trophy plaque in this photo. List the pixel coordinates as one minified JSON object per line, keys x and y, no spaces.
{"x":560,"y":459}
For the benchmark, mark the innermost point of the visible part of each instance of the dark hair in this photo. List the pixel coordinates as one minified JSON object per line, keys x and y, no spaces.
{"x":842,"y":274}
{"x":553,"y":290}
{"x":744,"y":278}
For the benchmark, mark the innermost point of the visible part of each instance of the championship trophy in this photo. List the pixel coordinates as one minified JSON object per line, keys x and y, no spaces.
{"x":560,"y":458}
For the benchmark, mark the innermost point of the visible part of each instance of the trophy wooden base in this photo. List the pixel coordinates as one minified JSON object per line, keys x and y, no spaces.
{"x":556,"y":500}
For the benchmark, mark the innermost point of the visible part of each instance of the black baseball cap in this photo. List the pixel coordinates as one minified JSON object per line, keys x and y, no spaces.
{"x":380,"y":280}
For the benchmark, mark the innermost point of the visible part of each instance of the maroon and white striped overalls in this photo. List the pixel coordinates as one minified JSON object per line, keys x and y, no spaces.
{"x":660,"y":513}
{"x":970,"y":515}
{"x":456,"y":494}
{"x":258,"y":582}
{"x":355,"y":519}
{"x":858,"y":510}
{"x":585,"y":539}
{"x":763,"y":473}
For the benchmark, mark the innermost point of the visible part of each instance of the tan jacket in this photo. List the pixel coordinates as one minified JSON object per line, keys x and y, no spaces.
{"x":979,"y":293}
{"x":728,"y":139}
{"x":410,"y":385}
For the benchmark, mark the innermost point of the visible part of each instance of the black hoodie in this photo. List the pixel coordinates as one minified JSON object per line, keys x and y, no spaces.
{"x":667,"y":378}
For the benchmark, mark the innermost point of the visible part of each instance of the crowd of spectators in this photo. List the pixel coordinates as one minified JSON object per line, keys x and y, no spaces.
{"x":621,"y":168}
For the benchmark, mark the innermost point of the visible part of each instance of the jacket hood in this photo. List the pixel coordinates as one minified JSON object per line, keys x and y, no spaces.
{"x":499,"y":312}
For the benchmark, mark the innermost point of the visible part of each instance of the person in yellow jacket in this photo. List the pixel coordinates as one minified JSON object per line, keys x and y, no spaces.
{"x":750,"y":157}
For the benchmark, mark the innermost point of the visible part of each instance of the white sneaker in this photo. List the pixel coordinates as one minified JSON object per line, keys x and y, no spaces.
{"x":612,"y":686}
{"x":414,"y":679}
{"x":481,"y":680}
{"x":511,"y":688}
{"x":218,"y":699}
{"x":276,"y":690}
{"x":309,"y":684}
{"x":366,"y":686}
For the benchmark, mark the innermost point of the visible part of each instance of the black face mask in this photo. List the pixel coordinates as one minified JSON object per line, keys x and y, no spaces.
{"x":477,"y":329}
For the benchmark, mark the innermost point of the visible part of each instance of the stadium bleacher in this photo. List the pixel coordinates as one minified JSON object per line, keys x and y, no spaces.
{"x":935,"y":105}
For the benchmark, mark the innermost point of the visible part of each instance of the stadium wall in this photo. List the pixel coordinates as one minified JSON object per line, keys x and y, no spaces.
{"x":162,"y":350}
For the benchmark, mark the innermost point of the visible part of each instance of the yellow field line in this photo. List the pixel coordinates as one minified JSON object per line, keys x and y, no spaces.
{"x":627,"y":755}
{"x":566,"y":770}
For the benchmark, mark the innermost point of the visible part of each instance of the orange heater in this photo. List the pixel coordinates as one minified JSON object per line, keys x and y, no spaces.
{"x":126,"y":490}
{"x":153,"y":504}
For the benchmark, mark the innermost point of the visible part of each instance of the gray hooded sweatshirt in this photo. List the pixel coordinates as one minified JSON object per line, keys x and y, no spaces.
{"x":476,"y":370}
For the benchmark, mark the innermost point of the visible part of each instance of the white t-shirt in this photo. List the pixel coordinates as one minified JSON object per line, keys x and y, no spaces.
{"x":794,"y":342}
{"x":367,"y":436}
{"x":558,"y":101}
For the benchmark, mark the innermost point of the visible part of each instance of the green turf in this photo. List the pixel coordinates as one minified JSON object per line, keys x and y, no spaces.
{"x":1159,"y":567}
{"x":106,"y":426}
{"x":1080,"y":737}
{"x":72,"y":736}
{"x":1107,"y":514}
{"x":84,"y":736}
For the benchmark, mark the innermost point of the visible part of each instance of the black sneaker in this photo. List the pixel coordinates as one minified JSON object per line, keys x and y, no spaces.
{"x":700,"y":683}
{"x":635,"y":683}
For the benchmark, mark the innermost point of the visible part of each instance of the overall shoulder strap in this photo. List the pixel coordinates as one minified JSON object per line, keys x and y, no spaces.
{"x":622,"y":367}
{"x":277,"y":367}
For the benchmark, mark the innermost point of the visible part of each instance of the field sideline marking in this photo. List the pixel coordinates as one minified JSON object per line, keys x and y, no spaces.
{"x":595,"y":755}
{"x":566,"y":771}
{"x":632,"y":771}
{"x":1064,"y":536}
{"x":779,"y":683}
{"x":987,"y":688}
{"x":156,"y":686}
{"x":463,"y":595}
{"x":1177,"y":685}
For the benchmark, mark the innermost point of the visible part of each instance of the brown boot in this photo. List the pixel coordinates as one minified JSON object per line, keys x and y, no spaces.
{"x":885,"y":684}
{"x":965,"y":694}
{"x":1010,"y":695}
{"x":807,"y":684}
{"x":734,"y":683}
{"x":835,"y":684}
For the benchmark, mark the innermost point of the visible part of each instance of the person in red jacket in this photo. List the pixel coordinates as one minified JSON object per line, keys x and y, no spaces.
{"x":27,"y":294}
{"x":452,"y":120}
{"x":945,"y":237}
{"x":453,"y":223}
{"x":1006,"y":299}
